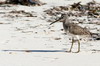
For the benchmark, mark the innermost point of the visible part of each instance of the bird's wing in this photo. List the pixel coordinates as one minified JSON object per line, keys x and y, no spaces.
{"x":77,"y":30}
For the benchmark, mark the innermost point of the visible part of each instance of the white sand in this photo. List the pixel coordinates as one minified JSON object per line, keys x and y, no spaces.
{"x":32,"y":33}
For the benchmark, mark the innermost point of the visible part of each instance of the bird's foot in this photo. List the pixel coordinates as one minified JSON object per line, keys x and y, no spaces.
{"x":68,"y":51}
{"x":76,"y":52}
{"x":72,"y":52}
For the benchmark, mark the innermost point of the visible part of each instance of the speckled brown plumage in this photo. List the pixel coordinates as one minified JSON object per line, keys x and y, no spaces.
{"x":75,"y":29}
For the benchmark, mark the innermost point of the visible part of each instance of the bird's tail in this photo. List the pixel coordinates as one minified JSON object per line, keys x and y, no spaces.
{"x":96,"y":36}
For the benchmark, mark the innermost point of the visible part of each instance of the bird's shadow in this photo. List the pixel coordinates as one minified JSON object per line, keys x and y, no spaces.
{"x":35,"y":50}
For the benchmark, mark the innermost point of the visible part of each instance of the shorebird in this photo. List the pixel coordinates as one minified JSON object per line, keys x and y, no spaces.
{"x":75,"y":31}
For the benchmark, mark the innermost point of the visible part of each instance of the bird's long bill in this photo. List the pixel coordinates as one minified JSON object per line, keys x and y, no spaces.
{"x":53,"y":22}
{"x":56,"y":21}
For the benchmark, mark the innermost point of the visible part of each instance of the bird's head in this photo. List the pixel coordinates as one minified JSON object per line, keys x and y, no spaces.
{"x":63,"y":17}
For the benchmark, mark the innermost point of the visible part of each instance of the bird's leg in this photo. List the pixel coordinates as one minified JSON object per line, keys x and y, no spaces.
{"x":71,"y":44}
{"x":78,"y":44}
{"x":78,"y":47}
